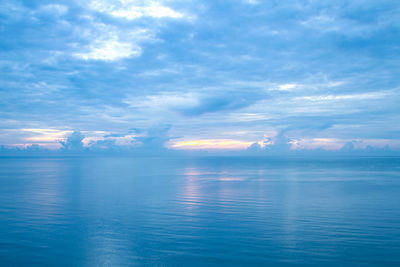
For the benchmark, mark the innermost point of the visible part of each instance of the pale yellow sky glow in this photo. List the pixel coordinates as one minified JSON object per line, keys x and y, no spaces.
{"x":211,"y":144}
{"x":44,"y":135}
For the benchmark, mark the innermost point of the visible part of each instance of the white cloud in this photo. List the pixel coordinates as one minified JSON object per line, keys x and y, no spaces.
{"x":109,"y":43}
{"x":132,"y":9}
{"x":109,"y":50}
{"x":287,"y":86}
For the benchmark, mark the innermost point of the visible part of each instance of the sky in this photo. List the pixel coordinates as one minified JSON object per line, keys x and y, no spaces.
{"x":200,"y":75}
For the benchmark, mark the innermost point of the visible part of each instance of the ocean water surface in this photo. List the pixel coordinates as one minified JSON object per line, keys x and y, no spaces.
{"x":210,"y":211}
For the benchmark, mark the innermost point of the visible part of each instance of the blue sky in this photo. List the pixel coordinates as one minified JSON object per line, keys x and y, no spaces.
{"x":200,"y":74}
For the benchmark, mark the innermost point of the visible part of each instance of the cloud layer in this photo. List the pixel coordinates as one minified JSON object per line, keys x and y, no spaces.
{"x":315,"y":74}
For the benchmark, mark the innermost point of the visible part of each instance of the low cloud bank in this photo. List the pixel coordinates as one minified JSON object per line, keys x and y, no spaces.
{"x":152,"y":142}
{"x":284,"y":148}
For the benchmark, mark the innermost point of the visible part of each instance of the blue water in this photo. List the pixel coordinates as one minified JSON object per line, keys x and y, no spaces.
{"x":199,"y":212}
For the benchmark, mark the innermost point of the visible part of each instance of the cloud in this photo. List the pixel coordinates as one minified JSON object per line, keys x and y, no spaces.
{"x":109,"y":43}
{"x":149,"y":141}
{"x":287,"y":86}
{"x":374,"y":95}
{"x":195,"y":103}
{"x":73,"y":142}
{"x":316,"y":74}
{"x":133,"y":9}
{"x":109,"y":50}
{"x":224,"y":102}
{"x":154,"y":139}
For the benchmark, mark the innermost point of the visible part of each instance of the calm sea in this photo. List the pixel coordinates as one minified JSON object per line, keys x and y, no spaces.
{"x":199,"y":212}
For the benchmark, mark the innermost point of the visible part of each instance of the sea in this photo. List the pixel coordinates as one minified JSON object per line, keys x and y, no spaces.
{"x":199,"y":211}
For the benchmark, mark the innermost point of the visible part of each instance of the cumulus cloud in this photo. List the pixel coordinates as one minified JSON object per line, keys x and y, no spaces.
{"x":137,"y":141}
{"x":154,"y":140}
{"x":73,"y":142}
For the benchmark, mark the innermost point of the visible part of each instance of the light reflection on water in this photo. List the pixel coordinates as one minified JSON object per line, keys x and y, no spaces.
{"x":197,"y":212}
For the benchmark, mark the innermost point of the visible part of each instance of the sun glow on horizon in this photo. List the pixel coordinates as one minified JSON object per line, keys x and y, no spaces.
{"x":211,"y":144}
